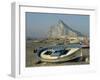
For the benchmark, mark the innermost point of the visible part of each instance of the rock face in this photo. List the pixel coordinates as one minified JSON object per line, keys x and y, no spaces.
{"x":61,"y":30}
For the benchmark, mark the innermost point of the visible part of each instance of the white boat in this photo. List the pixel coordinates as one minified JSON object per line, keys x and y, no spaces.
{"x":60,"y":55}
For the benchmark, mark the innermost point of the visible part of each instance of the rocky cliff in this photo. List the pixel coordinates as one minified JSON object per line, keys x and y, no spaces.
{"x":62,"y":30}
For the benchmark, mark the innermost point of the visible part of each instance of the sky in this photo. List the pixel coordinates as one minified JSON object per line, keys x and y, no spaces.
{"x":38,"y":24}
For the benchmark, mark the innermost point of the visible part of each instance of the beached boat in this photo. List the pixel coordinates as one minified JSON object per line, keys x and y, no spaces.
{"x":56,"y":54}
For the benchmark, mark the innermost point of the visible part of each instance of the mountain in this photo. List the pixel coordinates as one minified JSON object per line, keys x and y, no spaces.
{"x":62,"y":30}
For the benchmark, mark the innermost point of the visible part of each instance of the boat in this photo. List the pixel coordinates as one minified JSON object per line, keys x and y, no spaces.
{"x":59,"y":53}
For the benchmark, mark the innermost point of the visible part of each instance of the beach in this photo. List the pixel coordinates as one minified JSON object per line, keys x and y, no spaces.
{"x":32,"y":59}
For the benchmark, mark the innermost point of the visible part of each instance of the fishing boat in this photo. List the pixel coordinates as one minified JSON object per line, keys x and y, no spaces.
{"x":59,"y":53}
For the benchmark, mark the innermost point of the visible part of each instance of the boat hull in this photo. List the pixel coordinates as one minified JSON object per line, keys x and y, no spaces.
{"x":62,"y":58}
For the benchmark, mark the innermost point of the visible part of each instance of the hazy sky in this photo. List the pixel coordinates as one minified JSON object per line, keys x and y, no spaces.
{"x":37,"y":24}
